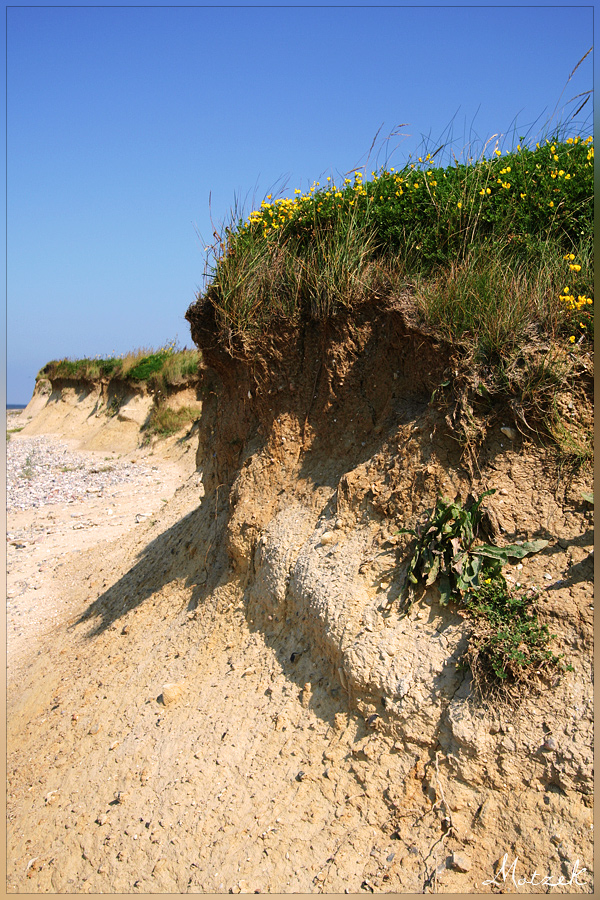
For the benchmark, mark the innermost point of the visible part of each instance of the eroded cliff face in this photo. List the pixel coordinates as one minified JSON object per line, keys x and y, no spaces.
{"x":102,"y":414}
{"x":323,"y":741}
{"x":318,"y":458}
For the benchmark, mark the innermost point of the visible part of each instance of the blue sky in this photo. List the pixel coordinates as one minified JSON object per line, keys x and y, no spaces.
{"x":122,"y":122}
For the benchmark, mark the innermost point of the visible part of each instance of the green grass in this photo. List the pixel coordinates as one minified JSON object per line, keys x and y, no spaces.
{"x":484,"y":241}
{"x":160,"y":369}
{"x":495,"y":256}
{"x":165,"y":421}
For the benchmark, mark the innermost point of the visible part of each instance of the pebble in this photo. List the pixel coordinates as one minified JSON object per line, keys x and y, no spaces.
{"x":36,"y":476}
{"x":171,"y":693}
{"x":460,"y":862}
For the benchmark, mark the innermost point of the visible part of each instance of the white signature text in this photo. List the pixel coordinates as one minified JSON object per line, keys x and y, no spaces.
{"x":505,"y":871}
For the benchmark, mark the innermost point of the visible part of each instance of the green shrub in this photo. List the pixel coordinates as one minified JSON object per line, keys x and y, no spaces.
{"x":148,"y":366}
{"x":507,"y":644}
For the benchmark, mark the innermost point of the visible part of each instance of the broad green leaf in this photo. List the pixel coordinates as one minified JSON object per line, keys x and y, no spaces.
{"x":445,"y":591}
{"x":518,"y":551}
{"x":433,"y":572}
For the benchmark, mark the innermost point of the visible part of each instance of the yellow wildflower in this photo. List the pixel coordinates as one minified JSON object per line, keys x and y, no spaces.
{"x":574,"y":267}
{"x":572,"y":338}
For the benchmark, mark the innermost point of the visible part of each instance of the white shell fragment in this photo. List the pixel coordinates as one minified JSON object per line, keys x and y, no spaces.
{"x":509,"y":432}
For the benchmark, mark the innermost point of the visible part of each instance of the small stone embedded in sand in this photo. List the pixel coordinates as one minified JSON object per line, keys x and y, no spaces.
{"x":460,"y":862}
{"x":327,"y":537}
{"x":171,"y":692}
{"x":509,"y":432}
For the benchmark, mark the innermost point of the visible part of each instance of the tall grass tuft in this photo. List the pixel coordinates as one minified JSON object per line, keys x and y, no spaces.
{"x":508,"y":237}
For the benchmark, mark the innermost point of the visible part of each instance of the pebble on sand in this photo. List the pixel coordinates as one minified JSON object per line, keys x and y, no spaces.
{"x":171,"y":692}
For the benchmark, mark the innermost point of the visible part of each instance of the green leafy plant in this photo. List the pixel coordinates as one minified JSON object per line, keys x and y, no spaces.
{"x":446,"y":552}
{"x":507,"y":643}
{"x":27,"y":470}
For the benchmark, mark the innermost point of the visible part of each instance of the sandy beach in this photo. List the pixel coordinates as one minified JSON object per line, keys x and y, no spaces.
{"x":61,"y":501}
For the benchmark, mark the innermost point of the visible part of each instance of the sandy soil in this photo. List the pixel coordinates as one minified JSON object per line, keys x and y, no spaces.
{"x":243,"y":782}
{"x":164,"y":739}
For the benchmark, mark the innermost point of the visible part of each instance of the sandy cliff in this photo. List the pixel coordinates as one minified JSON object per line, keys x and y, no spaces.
{"x":317,"y":740}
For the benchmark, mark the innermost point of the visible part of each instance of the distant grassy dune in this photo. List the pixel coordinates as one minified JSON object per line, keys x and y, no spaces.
{"x":158,"y":369}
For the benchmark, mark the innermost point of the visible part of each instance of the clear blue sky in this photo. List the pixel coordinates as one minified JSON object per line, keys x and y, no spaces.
{"x":122,"y":122}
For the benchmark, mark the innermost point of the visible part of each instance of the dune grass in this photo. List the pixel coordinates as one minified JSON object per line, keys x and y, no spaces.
{"x":165,"y":421}
{"x":159,"y":369}
{"x":489,"y":249}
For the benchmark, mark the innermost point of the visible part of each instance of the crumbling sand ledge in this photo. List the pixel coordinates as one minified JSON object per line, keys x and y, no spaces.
{"x":270,"y":772}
